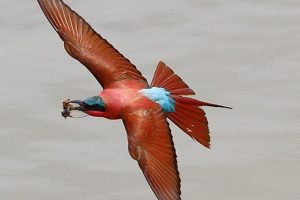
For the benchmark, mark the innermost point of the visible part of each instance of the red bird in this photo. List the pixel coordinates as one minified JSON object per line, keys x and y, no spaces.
{"x":126,"y":95}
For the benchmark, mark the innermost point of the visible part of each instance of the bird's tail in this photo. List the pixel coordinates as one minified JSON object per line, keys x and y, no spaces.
{"x":187,"y":115}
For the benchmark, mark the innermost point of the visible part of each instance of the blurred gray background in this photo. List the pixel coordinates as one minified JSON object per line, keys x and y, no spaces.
{"x":243,"y":54}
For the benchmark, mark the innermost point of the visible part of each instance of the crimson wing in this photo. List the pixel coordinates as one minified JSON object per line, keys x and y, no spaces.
{"x":83,"y":43}
{"x":150,"y":143}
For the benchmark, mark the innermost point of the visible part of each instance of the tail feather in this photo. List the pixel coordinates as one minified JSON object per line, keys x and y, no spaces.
{"x":166,"y":78}
{"x":187,"y":115}
{"x":161,"y":73}
{"x":184,"y":91}
{"x":195,"y":102}
{"x":192,"y":121}
{"x":192,"y":112}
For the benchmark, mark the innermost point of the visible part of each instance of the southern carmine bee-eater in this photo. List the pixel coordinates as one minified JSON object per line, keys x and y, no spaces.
{"x":143,"y":108}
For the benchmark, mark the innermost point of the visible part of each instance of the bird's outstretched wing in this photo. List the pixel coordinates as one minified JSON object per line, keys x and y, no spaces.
{"x":83,"y":43}
{"x":150,"y":143}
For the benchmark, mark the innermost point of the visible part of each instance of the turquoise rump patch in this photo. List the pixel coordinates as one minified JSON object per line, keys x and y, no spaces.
{"x":160,"y":96}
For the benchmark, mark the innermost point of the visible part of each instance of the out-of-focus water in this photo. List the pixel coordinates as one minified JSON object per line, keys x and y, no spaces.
{"x":243,"y":54}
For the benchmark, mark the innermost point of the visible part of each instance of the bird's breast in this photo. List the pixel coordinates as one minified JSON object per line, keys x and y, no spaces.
{"x":118,"y":98}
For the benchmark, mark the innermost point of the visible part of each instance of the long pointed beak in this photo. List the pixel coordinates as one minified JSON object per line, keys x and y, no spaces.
{"x":69,"y":106}
{"x":76,"y":101}
{"x":81,"y":106}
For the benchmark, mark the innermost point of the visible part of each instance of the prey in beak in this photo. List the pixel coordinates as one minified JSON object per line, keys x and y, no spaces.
{"x":70,"y":106}
{"x":93,"y":106}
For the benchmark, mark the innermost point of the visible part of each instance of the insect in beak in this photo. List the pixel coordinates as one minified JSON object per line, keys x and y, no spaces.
{"x":70,"y":106}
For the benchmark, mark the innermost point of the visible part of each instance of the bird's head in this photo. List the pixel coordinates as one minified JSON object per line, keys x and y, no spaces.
{"x":93,"y":106}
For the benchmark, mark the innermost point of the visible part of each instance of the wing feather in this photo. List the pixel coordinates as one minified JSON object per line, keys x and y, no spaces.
{"x":83,"y":43}
{"x":150,"y":143}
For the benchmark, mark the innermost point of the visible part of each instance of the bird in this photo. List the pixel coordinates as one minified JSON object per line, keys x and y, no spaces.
{"x":143,"y":108}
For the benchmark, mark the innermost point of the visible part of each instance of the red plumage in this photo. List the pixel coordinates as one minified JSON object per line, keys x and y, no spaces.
{"x":149,"y":137}
{"x":187,"y":116}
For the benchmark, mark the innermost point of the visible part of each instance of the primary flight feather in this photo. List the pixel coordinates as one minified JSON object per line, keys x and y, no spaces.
{"x":126,"y":95}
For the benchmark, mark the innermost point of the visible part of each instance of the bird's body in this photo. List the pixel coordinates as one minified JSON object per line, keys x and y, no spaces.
{"x":120,"y":95}
{"x":143,"y":107}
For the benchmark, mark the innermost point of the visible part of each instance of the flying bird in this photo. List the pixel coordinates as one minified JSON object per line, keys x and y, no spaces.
{"x":126,"y":95}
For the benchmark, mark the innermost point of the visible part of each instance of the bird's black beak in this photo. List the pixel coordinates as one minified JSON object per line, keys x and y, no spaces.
{"x":69,"y":106}
{"x":77,"y":102}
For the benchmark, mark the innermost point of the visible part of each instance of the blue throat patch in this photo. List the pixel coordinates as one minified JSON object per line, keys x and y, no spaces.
{"x":160,"y":96}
